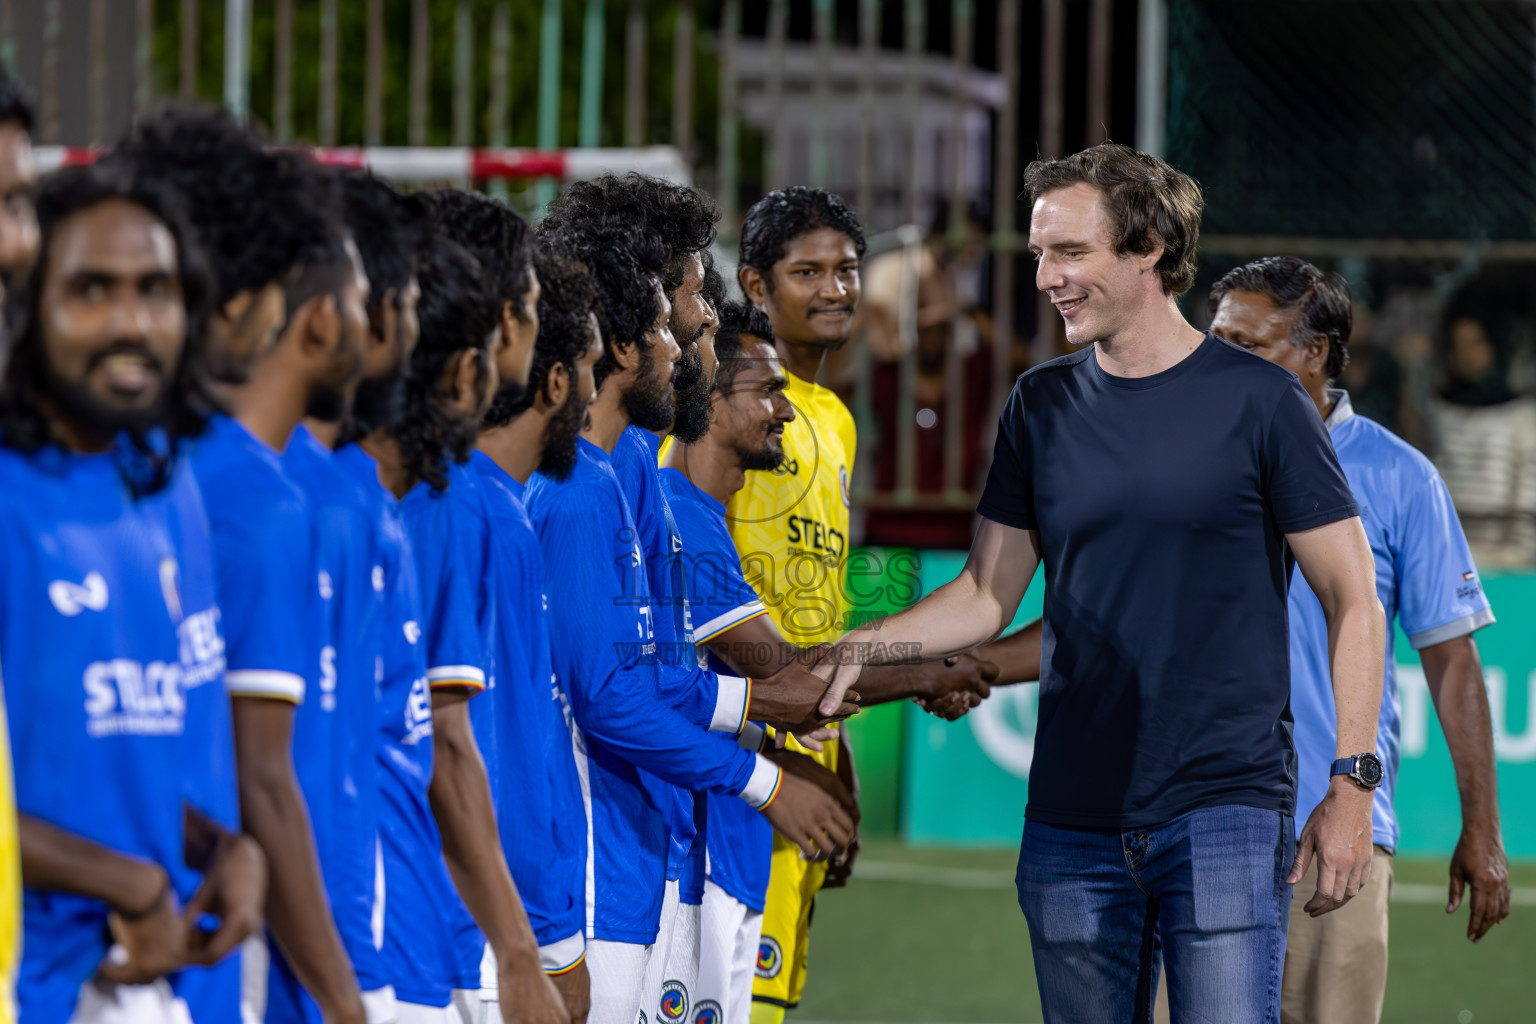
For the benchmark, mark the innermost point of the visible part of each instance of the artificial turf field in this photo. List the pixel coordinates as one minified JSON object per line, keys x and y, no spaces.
{"x":890,"y":948}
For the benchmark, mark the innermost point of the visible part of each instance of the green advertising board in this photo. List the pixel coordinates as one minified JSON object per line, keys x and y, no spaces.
{"x":966,"y":782}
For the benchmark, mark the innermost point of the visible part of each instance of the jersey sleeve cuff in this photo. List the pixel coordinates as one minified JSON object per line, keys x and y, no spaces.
{"x":763,"y":786}
{"x":563,"y":955}
{"x":730,"y":620}
{"x":266,"y":683}
{"x":456,"y":677}
{"x":1464,"y":626}
{"x":752,"y":737}
{"x":731,"y":702}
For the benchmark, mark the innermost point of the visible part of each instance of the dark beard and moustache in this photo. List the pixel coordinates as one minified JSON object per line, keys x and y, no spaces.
{"x":379,"y":404}
{"x":690,"y":421}
{"x":77,"y":403}
{"x":650,"y":402}
{"x":326,"y":404}
{"x":557,"y":459}
{"x":760,"y":458}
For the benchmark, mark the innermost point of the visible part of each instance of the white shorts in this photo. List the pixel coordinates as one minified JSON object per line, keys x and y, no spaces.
{"x":673,"y":975}
{"x":728,"y":937}
{"x":617,"y":970}
{"x":415,"y":1013}
{"x":102,"y":1002}
{"x":380,"y":1006}
{"x":556,"y":958}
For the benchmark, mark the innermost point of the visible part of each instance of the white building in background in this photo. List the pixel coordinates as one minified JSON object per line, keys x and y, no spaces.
{"x":939,"y":130}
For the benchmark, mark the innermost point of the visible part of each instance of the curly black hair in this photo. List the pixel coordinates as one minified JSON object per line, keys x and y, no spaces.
{"x":23,"y":426}
{"x":566,"y":299}
{"x":390,"y":228}
{"x":494,"y":234}
{"x":714,"y":282}
{"x":626,"y":264}
{"x":261,"y":215}
{"x":457,"y":314}
{"x":1318,"y":300}
{"x":15,"y":105}
{"x":684,"y":218}
{"x":785,"y":214}
{"x":737,"y":319}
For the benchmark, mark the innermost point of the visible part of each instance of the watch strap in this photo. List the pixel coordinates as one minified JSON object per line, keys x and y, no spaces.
{"x":1343,"y":766}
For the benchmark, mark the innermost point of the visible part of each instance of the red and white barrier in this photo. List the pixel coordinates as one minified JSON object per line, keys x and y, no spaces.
{"x":458,"y":163}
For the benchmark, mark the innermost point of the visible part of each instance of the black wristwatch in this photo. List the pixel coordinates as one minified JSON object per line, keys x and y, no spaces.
{"x":1365,"y":769}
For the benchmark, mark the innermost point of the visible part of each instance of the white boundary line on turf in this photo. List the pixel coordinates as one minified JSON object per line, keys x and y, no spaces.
{"x":987,"y":878}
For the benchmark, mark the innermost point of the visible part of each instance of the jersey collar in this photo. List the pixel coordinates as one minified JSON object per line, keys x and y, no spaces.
{"x":1342,"y":412}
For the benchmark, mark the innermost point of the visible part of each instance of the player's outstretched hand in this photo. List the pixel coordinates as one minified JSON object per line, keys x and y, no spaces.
{"x":954,"y":685}
{"x":839,"y":669}
{"x":153,"y":941}
{"x":528,"y":995}
{"x":809,"y":817}
{"x":575,"y":987}
{"x":1338,"y":835}
{"x":1479,"y":862}
{"x":788,"y":700}
{"x":234,"y":890}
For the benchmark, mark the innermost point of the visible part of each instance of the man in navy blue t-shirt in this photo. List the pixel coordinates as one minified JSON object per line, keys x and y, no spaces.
{"x":1167,"y":481}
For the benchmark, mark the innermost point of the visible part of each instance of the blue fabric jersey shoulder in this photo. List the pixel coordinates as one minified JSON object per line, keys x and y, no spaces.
{"x":335,"y":730}
{"x":739,"y":839}
{"x":1425,"y":579}
{"x":601,"y":646}
{"x":539,"y":807}
{"x":418,"y":948}
{"x":113,"y":665}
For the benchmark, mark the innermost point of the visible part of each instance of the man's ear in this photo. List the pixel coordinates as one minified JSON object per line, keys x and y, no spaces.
{"x":318,"y":323}
{"x":753,"y":285}
{"x":1317,"y":352}
{"x":627,"y":355}
{"x":557,"y":389}
{"x":508,"y":323}
{"x":460,"y":382}
{"x":1148,"y":261}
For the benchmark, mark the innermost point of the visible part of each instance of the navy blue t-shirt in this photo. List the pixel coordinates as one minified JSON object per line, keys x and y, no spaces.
{"x":1162,"y":505}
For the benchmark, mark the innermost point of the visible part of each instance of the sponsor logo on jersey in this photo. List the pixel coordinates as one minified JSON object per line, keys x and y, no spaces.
{"x":378,"y":579}
{"x":418,"y":713}
{"x":770,"y":958}
{"x":674,"y":1002}
{"x":170,"y":572}
{"x":789,"y":467}
{"x":327,"y":590}
{"x":202,"y":648}
{"x":842,"y":480}
{"x":72,"y":598}
{"x":124,"y":697}
{"x":708,"y":1012}
{"x":328,"y":678}
{"x":412,"y":632}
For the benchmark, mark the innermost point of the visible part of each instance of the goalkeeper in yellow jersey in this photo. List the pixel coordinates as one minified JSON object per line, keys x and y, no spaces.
{"x":800,"y":253}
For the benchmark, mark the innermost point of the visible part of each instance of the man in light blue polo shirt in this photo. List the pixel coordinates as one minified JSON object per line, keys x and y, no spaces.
{"x":1292,"y":314}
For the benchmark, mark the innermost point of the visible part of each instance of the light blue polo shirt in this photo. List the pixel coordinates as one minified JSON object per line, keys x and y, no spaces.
{"x":1424,"y":577}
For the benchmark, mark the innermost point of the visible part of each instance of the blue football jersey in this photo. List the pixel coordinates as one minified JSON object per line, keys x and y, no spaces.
{"x":539,"y":809}
{"x":113,"y":662}
{"x":738,"y":838}
{"x":686,"y":684}
{"x":602,"y":646}
{"x":450,"y":534}
{"x":335,"y":731}
{"x":1425,"y":580}
{"x":417,"y":947}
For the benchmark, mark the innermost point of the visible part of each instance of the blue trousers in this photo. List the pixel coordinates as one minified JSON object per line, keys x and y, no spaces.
{"x":1205,"y":892}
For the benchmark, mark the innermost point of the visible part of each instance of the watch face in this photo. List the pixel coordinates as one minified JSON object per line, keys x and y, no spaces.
{"x":1369,"y":767}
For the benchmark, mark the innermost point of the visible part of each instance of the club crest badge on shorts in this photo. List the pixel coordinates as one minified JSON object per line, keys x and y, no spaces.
{"x":674,"y":1003}
{"x":770,"y":958}
{"x":708,"y":1012}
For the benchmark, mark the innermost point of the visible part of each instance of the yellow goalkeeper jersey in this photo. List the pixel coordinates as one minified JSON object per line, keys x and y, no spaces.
{"x":10,"y":879}
{"x":790,"y":524}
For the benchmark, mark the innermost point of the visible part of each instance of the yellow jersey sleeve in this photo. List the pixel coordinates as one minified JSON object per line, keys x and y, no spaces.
{"x":10,"y":879}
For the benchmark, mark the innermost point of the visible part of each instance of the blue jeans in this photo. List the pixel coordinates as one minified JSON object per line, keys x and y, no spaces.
{"x":1209,"y":884}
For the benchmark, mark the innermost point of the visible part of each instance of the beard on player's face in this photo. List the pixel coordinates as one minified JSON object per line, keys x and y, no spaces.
{"x":693,"y":391}
{"x":649,"y":400}
{"x":557,"y":457}
{"x":379,"y":404}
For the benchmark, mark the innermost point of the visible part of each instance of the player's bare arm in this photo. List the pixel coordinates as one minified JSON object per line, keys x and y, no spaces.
{"x":461,"y":802}
{"x":960,"y":616}
{"x":1454,"y":672}
{"x":146,"y":919}
{"x":273,"y":808}
{"x":1336,"y":561}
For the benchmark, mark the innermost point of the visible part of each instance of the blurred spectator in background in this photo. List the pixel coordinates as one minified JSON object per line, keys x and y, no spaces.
{"x":951,"y":280}
{"x":1483,"y":440}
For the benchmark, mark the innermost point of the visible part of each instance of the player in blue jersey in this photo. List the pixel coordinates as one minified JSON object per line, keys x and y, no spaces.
{"x":637,"y":730}
{"x":506,"y":954}
{"x":453,"y":378}
{"x":540,"y":812}
{"x":109,"y":625}
{"x":1293,"y":314}
{"x":277,"y":248}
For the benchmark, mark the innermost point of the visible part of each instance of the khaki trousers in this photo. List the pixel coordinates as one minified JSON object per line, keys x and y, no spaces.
{"x":1335,"y":965}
